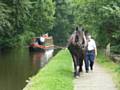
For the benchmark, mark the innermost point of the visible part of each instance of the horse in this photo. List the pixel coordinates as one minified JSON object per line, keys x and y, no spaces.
{"x":76,"y":43}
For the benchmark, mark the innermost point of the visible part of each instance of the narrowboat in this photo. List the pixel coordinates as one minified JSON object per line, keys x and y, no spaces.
{"x":41,"y":43}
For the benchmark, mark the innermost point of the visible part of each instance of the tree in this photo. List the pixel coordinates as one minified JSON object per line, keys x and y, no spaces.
{"x":22,"y":19}
{"x":42,"y":16}
{"x":64,"y":21}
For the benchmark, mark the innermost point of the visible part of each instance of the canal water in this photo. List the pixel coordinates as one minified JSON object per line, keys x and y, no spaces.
{"x":17,"y":65}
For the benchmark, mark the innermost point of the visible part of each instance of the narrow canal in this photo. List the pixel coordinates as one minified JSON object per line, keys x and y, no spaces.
{"x":17,"y":65}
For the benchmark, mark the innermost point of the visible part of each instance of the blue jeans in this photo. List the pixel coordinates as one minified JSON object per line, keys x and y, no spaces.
{"x":89,"y":59}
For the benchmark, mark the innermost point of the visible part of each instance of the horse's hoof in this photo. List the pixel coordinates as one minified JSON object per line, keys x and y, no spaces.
{"x":77,"y":76}
{"x":81,"y":70}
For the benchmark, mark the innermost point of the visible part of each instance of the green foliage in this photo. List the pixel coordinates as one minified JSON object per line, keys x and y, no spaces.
{"x":110,"y":23}
{"x":116,"y":49}
{"x":13,"y":16}
{"x":25,"y":38}
{"x":42,"y":17}
{"x":21,"y":19}
{"x":63,"y":22}
{"x":6,"y":27}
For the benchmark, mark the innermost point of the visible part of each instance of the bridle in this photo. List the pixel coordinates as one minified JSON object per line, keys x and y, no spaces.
{"x":79,"y":39}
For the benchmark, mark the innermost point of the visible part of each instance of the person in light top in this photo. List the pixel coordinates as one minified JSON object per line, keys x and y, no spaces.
{"x":42,"y":39}
{"x":91,"y":53}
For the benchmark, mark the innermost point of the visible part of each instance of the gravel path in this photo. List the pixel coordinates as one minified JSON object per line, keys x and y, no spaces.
{"x":98,"y":79}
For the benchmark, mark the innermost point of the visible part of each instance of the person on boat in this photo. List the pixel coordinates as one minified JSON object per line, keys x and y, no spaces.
{"x":40,"y":40}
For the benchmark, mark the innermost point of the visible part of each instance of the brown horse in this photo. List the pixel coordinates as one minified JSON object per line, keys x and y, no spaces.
{"x":75,"y":46}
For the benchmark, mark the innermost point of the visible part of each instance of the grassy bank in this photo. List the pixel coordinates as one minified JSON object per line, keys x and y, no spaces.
{"x":112,"y":67}
{"x":57,"y":75}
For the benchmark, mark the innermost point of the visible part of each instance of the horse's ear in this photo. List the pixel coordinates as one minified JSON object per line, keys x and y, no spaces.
{"x":83,"y":29}
{"x":77,"y":28}
{"x":86,"y":33}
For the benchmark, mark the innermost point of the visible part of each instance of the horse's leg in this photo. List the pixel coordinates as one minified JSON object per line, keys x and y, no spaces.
{"x":80,"y":64}
{"x":74,"y":60}
{"x":75,"y":65}
{"x":80,"y":61}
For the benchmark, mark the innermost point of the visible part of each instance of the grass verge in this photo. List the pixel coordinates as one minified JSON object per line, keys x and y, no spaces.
{"x":57,"y":75}
{"x":111,"y":66}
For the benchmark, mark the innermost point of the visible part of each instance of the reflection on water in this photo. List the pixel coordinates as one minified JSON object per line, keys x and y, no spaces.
{"x":19,"y":64}
{"x":39,"y":59}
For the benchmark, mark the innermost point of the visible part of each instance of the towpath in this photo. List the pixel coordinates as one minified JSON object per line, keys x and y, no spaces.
{"x":98,"y":79}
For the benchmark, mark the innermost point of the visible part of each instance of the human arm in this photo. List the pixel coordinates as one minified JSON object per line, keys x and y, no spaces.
{"x":95,"y":51}
{"x":95,"y":48}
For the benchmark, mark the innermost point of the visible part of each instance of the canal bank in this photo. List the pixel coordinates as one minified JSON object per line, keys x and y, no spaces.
{"x":57,"y":75}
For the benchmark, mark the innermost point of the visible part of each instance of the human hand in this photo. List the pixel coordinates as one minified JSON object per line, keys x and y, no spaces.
{"x":65,"y":48}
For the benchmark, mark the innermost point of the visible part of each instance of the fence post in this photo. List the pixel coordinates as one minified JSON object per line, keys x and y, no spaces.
{"x":107,"y":51}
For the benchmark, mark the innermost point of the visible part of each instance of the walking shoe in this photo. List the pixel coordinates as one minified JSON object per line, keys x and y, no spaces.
{"x":87,"y":71}
{"x":91,"y":68}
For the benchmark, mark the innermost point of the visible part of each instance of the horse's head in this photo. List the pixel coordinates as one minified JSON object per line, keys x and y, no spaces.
{"x":79,"y":37}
